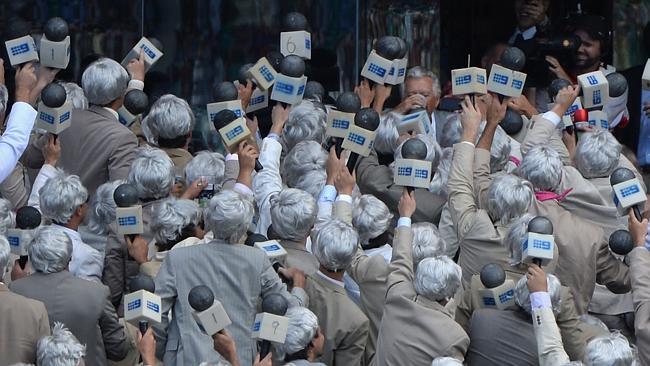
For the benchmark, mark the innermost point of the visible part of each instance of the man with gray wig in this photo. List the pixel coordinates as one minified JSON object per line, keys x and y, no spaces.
{"x":306,"y":122}
{"x":61,"y":348}
{"x":83,"y":306}
{"x":304,"y":167}
{"x":304,"y":342}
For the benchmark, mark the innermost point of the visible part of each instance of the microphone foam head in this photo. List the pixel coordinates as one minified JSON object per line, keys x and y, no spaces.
{"x":388,"y":47}
{"x":556,"y":86}
{"x":512,"y":122}
{"x":367,"y":119}
{"x":136,"y":101}
{"x":348,"y":102}
{"x":492,"y":275}
{"x":275,"y":59}
{"x":292,"y":66}
{"x":404,"y":49}
{"x":540,"y":225}
{"x":414,"y":149}
{"x":621,"y":175}
{"x":275,"y":304}
{"x":200,"y":298}
{"x":53,"y":95}
{"x":295,"y":22}
{"x":620,"y":242}
{"x":222,"y":118}
{"x":56,"y":29}
{"x":225,"y":91}
{"x":242,"y":74}
{"x":617,"y":84}
{"x":314,"y":90}
{"x":513,"y":58}
{"x":27,"y":218}
{"x":142,"y":282}
{"x":254,"y":238}
{"x":125,"y":195}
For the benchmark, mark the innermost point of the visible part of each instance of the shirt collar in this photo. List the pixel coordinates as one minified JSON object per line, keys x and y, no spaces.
{"x":526,"y":35}
{"x":331,"y":280}
{"x":113,"y":112}
{"x":74,"y":235}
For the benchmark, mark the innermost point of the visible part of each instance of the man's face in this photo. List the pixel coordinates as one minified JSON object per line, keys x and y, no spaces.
{"x":589,"y":52}
{"x":530,"y":13}
{"x":424,"y":87}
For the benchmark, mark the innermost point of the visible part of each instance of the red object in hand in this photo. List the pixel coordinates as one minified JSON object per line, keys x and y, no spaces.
{"x":581,"y":115}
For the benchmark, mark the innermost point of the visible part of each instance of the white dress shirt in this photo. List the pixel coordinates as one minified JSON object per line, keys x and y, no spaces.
{"x":267,"y":182}
{"x":47,"y":171}
{"x":86,"y":263}
{"x":16,"y":137}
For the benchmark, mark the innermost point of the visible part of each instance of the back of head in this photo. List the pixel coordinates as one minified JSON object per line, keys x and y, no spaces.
{"x":76,"y":95}
{"x":104,"y":81}
{"x":228,"y":216}
{"x":441,"y":176}
{"x":102,"y":208}
{"x":522,"y":295}
{"x":452,"y":131}
{"x":335,"y":245}
{"x":312,"y":182}
{"x":59,"y":349}
{"x":152,"y":174}
{"x":293,"y":213}
{"x":60,"y":196}
{"x":302,"y":328}
{"x":597,"y":154}
{"x":500,"y":150}
{"x":304,"y":157}
{"x":427,"y":242}
{"x":371,"y":217}
{"x":210,"y":165}
{"x":4,"y":98}
{"x":50,"y":250}
{"x":174,"y":220}
{"x":7,"y":216}
{"x":386,"y":134}
{"x":306,"y":122}
{"x":5,"y":250}
{"x":514,"y":239}
{"x":612,"y":349}
{"x":542,"y":167}
{"x":508,"y":198}
{"x":437,"y":278}
{"x":169,"y":122}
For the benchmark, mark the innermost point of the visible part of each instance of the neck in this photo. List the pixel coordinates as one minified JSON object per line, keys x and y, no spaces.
{"x":333,"y":275}
{"x":586,"y":69}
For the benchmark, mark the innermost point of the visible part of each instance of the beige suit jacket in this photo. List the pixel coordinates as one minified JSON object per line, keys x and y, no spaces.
{"x":16,"y":187}
{"x":543,"y":132}
{"x":549,"y":341}
{"x":23,"y":322}
{"x":299,"y":257}
{"x":640,"y":275}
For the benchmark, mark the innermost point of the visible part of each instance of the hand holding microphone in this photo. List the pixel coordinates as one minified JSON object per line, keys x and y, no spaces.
{"x":142,"y":305}
{"x":628,"y":192}
{"x":638,"y":229}
{"x":271,"y":325}
{"x":540,"y":243}
{"x":536,"y":279}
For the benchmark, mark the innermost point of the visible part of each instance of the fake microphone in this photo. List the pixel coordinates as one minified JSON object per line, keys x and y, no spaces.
{"x":54,"y":110}
{"x":513,"y":58}
{"x":512,"y":122}
{"x":260,"y":96}
{"x":581,"y":118}
{"x":27,"y":219}
{"x":361,"y":136}
{"x":271,"y":325}
{"x":386,"y":63}
{"x":469,"y":80}
{"x":55,"y":44}
{"x":314,"y":91}
{"x":412,"y":171}
{"x":340,"y":119}
{"x":290,"y":83}
{"x":620,"y":242}
{"x":568,"y":117}
{"x":617,"y":84}
{"x":136,"y":102}
{"x":273,"y":250}
{"x":497,"y":292}
{"x":128,"y":213}
{"x":594,"y":88}
{"x":151,"y":53}
{"x":538,"y":247}
{"x":233,"y":130}
{"x":295,"y":39}
{"x":507,"y":82}
{"x":208,"y":312}
{"x":628,"y":191}
{"x":21,"y":50}
{"x":415,"y":121}
{"x":142,"y":304}
{"x":225,"y":95}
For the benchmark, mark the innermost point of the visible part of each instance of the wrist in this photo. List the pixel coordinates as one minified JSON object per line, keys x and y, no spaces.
{"x":559,"y":109}
{"x":329,"y":181}
{"x":148,"y":360}
{"x":470,"y":136}
{"x":22,"y":96}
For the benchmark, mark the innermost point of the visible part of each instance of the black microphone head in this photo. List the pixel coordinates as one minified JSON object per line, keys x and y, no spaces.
{"x":225,"y":91}
{"x":404,"y":48}
{"x":125,"y":195}
{"x":200,"y":298}
{"x":275,"y":59}
{"x":367,"y":118}
{"x":348,"y":102}
{"x":620,"y":242}
{"x":142,"y":282}
{"x":136,"y":101}
{"x":513,"y":58}
{"x":292,"y":66}
{"x":275,"y":304}
{"x":617,"y":84}
{"x":53,"y":95}
{"x":314,"y":90}
{"x":540,"y":225}
{"x":28,"y":218}
{"x":222,"y":118}
{"x":512,"y":122}
{"x":56,"y":29}
{"x":294,"y":22}
{"x":556,"y":86}
{"x":255,"y":238}
{"x":414,"y":149}
{"x":621,"y":175}
{"x":242,"y":75}
{"x":492,"y":275}
{"x":388,"y":47}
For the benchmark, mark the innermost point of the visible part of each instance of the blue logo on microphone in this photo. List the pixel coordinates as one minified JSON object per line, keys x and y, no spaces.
{"x":357,"y":139}
{"x":46,"y":118}
{"x":340,"y":123}
{"x":421,"y":173}
{"x":377,"y":70}
{"x":127,"y":221}
{"x":134,"y":305}
{"x":597,"y":97}
{"x":284,"y":88}
{"x":506,"y":296}
{"x":19,"y":49}
{"x":234,"y":132}
{"x":592,"y":80}
{"x":541,"y":244}
{"x":257,"y":100}
{"x":268,"y":76}
{"x":489,"y":301}
{"x":630,"y":190}
{"x":462,"y":80}
{"x":517,"y":84}
{"x":64,"y":117}
{"x":405,"y":171}
{"x":256,"y":326}
{"x":272,"y":248}
{"x":480,"y":79}
{"x":500,"y":79}
{"x":148,"y":51}
{"x":153,"y":306}
{"x":308,"y":43}
{"x":14,"y":241}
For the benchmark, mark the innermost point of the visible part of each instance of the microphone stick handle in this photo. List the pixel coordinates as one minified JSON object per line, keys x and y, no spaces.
{"x":265,"y":348}
{"x":352,"y":161}
{"x":537,"y":261}
{"x":410,"y":189}
{"x":637,"y":213}
{"x":339,"y":147}
{"x":22,"y":261}
{"x":143,"y":325}
{"x":258,"y":165}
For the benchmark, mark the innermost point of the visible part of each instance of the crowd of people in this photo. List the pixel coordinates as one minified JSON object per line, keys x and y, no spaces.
{"x":375,"y":273}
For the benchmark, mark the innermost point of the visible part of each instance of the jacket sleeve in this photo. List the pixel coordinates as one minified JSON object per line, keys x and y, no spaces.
{"x":610,"y":271}
{"x":115,"y":341}
{"x":231,"y":172}
{"x":122,"y":156}
{"x":575,"y":333}
{"x":401,"y":264}
{"x":549,"y":342}
{"x":544,"y":132}
{"x":462,"y":205}
{"x":352,"y":348}
{"x":16,"y":187}
{"x":166,"y":288}
{"x":640,"y":274}
{"x":114,"y":268}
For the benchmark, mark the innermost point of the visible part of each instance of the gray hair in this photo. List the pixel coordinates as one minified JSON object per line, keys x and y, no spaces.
{"x":335,"y":245}
{"x":437,"y":278}
{"x":59,"y":349}
{"x":597,"y":154}
{"x":508,"y":198}
{"x":304,"y":157}
{"x":61,"y":196}
{"x":210,"y":165}
{"x":427,"y":242}
{"x":542,"y":167}
{"x":169,"y":117}
{"x":433,"y":149}
{"x":228,"y":215}
{"x":7,"y":216}
{"x":50,"y":250}
{"x":612,"y":349}
{"x":293,"y":213}
{"x":102,"y":208}
{"x":152,"y":173}
{"x":5,"y":250}
{"x":171,"y":216}
{"x":306,"y":122}
{"x":104,"y":81}
{"x":312,"y":182}
{"x":438,"y":184}
{"x":418,"y":72}
{"x":522,"y":295}
{"x":4,"y":97}
{"x":452,"y":131}
{"x":500,"y":150}
{"x":515,"y":237}
{"x":75,"y":94}
{"x":386,"y":135}
{"x":302,"y":328}
{"x":446,"y":361}
{"x":370,"y":216}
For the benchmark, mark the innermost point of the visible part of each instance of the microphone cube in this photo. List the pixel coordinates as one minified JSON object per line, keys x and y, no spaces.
{"x":141,"y":305}
{"x":214,"y":108}
{"x":376,"y":68}
{"x":129,"y":220}
{"x":151,"y":53}
{"x":500,"y":297}
{"x":338,"y":123}
{"x":628,"y":194}
{"x":470,"y":80}
{"x":270,"y":327}
{"x":21,"y":50}
{"x":645,"y":78}
{"x":125,"y":117}
{"x":417,"y":122}
{"x":397,"y":71}
{"x":359,"y":140}
{"x":288,"y":90}
{"x":259,"y":100}
{"x":54,"y":120}
{"x":234,"y":132}
{"x":538,"y":246}
{"x":19,"y":240}
{"x":595,"y":89}
{"x":567,"y":118}
{"x":598,"y":118}
{"x":263,"y":73}
{"x":213,"y":319}
{"x":273,"y":250}
{"x":412,"y":173}
{"x":296,"y":43}
{"x":55,"y":54}
{"x":506,"y":82}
